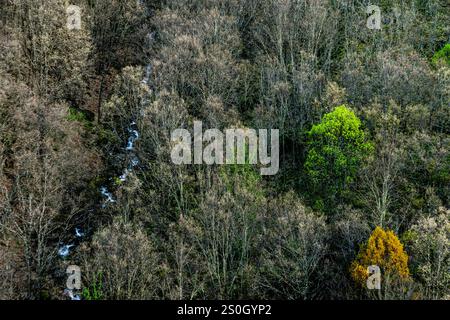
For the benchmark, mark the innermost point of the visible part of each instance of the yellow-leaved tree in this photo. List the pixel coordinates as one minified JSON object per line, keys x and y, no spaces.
{"x":384,"y":250}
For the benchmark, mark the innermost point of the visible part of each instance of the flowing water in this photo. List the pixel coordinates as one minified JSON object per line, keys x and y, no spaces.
{"x":65,"y":250}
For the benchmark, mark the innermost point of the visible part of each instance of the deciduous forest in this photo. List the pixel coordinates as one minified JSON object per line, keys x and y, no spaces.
{"x":86,"y":177}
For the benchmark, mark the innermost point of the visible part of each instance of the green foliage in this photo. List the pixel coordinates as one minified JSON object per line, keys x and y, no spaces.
{"x":245,"y":175}
{"x":336,"y":148}
{"x":77,"y":115}
{"x":94,"y":290}
{"x":117,"y":181}
{"x":442,"y":55}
